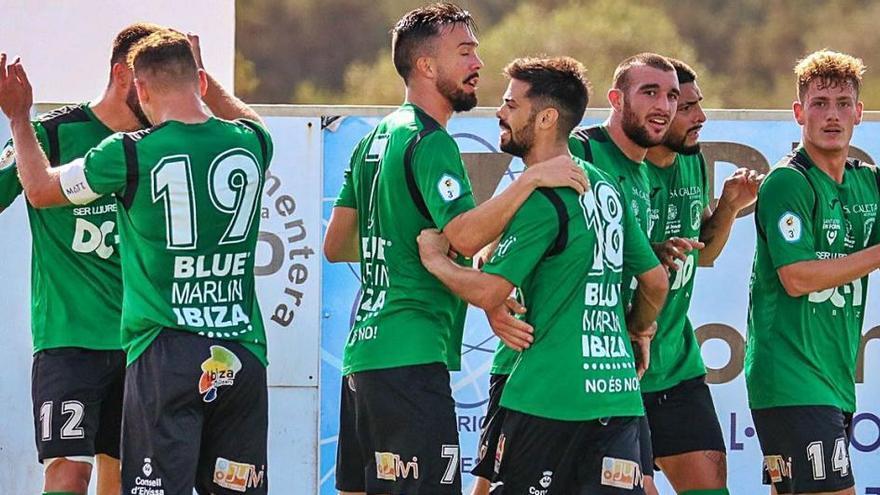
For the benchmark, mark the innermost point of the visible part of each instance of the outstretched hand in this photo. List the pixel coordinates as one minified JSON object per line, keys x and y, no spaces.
{"x":674,"y":251}
{"x":16,"y":94}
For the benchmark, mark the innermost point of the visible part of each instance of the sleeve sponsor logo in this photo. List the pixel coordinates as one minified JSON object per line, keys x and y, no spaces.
{"x":790,"y":227}
{"x":503,"y":247}
{"x":449,"y":188}
{"x":7,"y":157}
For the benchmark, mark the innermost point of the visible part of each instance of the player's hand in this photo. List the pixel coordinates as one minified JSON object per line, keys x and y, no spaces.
{"x":432,"y":243}
{"x":675,"y":250}
{"x":484,"y":255}
{"x":559,"y":171}
{"x":641,"y":344}
{"x":196,"y":49}
{"x":514,"y":332}
{"x":740,"y":190}
{"x":16,"y":95}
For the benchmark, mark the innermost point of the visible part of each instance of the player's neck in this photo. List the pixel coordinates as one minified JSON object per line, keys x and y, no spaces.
{"x":832,"y":163}
{"x":184,"y":108}
{"x":541,"y":153}
{"x":111,"y":109}
{"x":661,"y":156}
{"x":629,"y":147}
{"x":432,"y":103}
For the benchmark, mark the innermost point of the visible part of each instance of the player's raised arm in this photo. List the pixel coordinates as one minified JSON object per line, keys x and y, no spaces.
{"x":41,"y":184}
{"x":740,"y":190}
{"x":222,"y":103}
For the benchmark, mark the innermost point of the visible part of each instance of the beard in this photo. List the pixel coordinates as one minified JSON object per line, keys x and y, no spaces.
{"x":131,"y":100}
{"x":519,"y":144}
{"x":678,"y":144}
{"x":636,"y":132}
{"x":461,"y":101}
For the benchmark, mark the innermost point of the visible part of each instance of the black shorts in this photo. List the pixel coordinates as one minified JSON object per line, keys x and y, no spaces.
{"x":77,"y":398}
{"x":490,"y":429}
{"x":542,"y":456}
{"x":195,"y":416}
{"x":683,"y":419}
{"x":397,"y":432}
{"x":806,"y":448}
{"x":646,"y":450}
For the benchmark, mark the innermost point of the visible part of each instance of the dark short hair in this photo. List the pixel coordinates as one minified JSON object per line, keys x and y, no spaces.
{"x":621,"y":73}
{"x":415,"y":29}
{"x":832,"y":69}
{"x":684,"y":71}
{"x":166,"y":54}
{"x":558,"y":82}
{"x":127,"y":38}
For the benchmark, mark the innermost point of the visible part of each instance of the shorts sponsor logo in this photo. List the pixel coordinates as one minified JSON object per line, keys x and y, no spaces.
{"x":499,"y":452}
{"x":449,"y":187}
{"x":544,"y":483}
{"x":777,"y":468}
{"x":7,"y":157}
{"x":390,"y":467}
{"x":790,"y":227}
{"x":237,"y":476}
{"x":145,"y":485}
{"x":219,"y":370}
{"x":621,"y":473}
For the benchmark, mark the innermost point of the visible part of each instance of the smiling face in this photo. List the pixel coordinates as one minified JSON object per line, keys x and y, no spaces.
{"x":684,"y":132}
{"x":516,"y":120}
{"x":828,"y":114}
{"x":458,"y":66}
{"x":649,"y":104}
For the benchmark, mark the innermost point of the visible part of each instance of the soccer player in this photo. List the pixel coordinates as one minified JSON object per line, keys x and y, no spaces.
{"x":572,"y":398}
{"x":816,"y":244}
{"x":405,"y":176}
{"x":76,"y":287}
{"x":685,"y":432}
{"x":643,"y":97}
{"x":187,"y":194}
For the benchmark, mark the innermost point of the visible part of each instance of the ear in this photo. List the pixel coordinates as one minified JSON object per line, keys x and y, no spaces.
{"x":547,"y":118}
{"x":143,"y":92}
{"x":203,"y":82}
{"x":859,"y":107}
{"x":615,"y":98}
{"x":798,"y":109}
{"x":426,"y":66}
{"x":120,"y":75}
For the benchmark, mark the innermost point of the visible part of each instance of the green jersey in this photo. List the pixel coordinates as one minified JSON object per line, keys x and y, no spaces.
{"x":801,"y":351}
{"x":76,"y":282}
{"x":595,"y":145}
{"x":188,"y":201}
{"x":679,"y":195}
{"x":580,"y":365}
{"x":405,"y":176}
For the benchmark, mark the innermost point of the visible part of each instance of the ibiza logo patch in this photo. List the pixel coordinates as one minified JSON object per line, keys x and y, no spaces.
{"x":219,"y":370}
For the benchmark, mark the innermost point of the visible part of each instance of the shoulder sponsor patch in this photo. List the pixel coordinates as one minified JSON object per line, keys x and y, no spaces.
{"x":7,"y":157}
{"x":790,"y":226}
{"x":449,"y":188}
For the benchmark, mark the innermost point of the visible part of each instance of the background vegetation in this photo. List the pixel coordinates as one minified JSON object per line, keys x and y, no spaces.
{"x":337,"y":51}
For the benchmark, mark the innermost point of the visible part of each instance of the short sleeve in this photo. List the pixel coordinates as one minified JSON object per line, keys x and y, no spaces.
{"x":441,"y":178}
{"x":347,"y":197}
{"x":104,"y":166}
{"x":785,"y":217}
{"x":525,"y":242}
{"x":10,"y":185}
{"x":267,"y":147}
{"x":638,"y":257}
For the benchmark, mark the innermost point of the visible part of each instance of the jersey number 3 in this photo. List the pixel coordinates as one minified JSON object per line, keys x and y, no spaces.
{"x":233,"y":185}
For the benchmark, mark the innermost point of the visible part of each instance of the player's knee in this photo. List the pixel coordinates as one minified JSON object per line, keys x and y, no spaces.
{"x":717,"y":491}
{"x":63,"y":474}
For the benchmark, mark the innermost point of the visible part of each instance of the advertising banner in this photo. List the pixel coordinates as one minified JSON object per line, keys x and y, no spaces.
{"x":718,"y":310}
